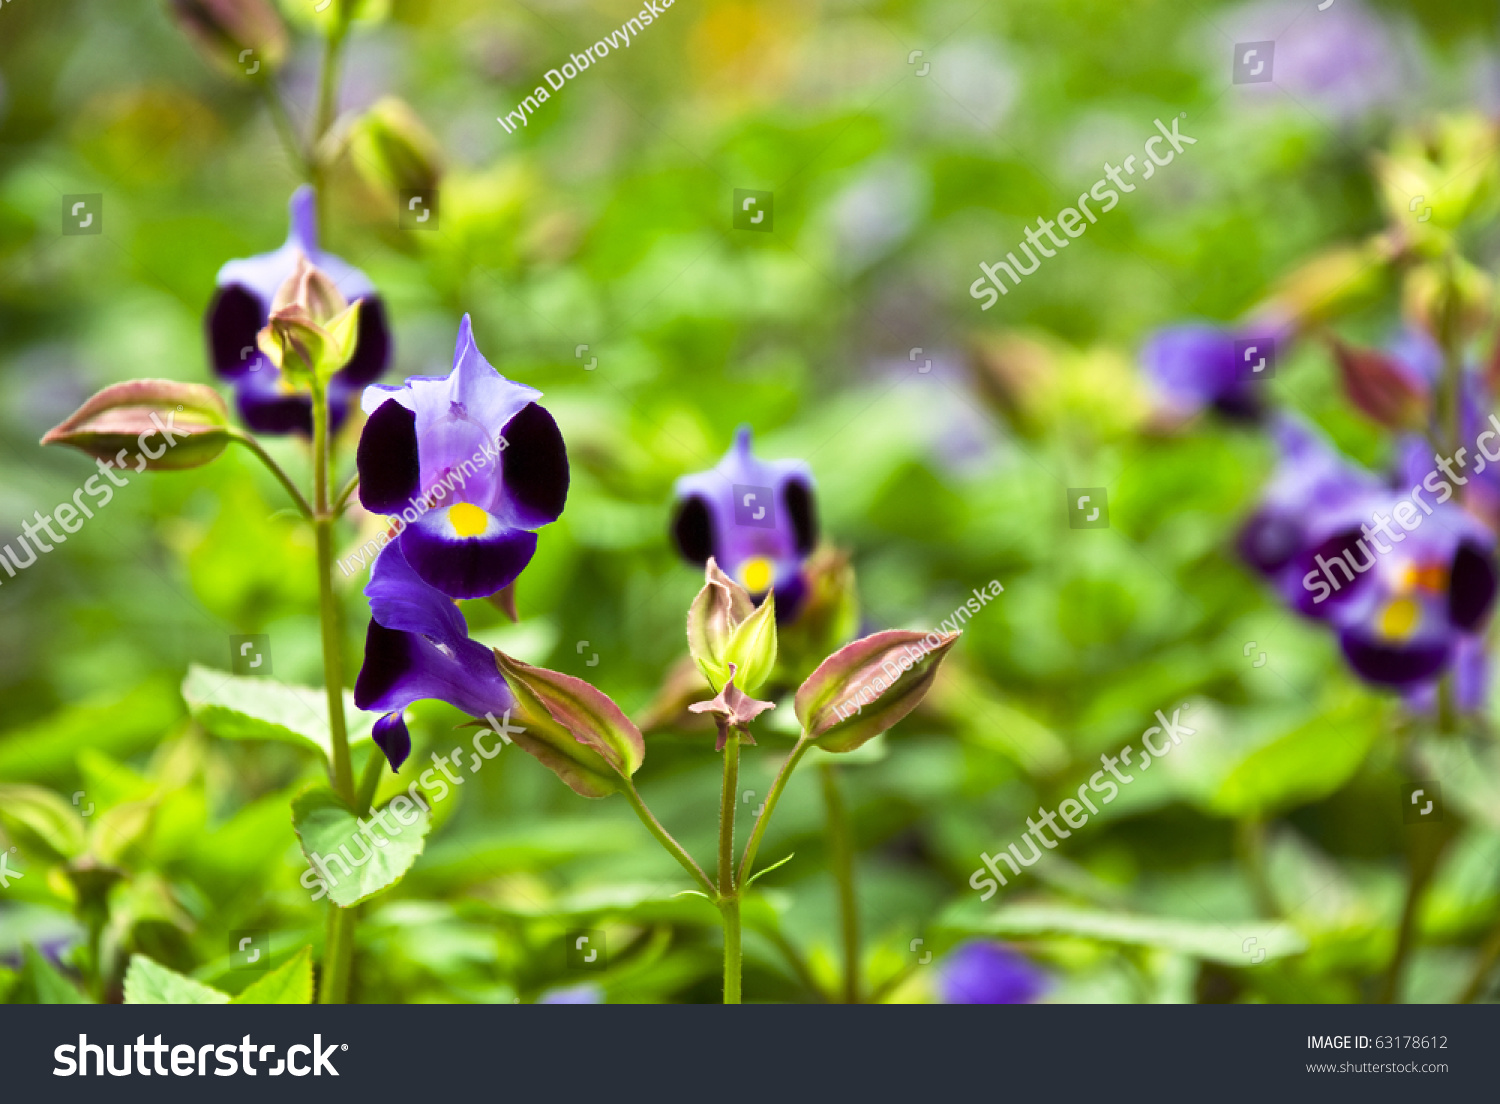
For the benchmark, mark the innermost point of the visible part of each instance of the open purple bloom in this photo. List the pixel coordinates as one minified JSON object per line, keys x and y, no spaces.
{"x":242,"y":306}
{"x":471,"y":465}
{"x":982,"y":972}
{"x":757,"y":518}
{"x":418,"y":646}
{"x":1195,"y":366}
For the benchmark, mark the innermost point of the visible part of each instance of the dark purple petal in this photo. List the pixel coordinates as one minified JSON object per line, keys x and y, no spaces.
{"x":534,"y":467}
{"x":391,"y":737}
{"x":389,"y":469}
{"x":399,"y":599}
{"x":465,"y":566}
{"x":1269,"y":541}
{"x":981,"y":972}
{"x":693,"y":530}
{"x":797,"y":499}
{"x":269,"y":408}
{"x":1388,"y":663}
{"x":372,"y":346}
{"x":234,"y":318}
{"x":402,"y":667}
{"x":1471,"y":588}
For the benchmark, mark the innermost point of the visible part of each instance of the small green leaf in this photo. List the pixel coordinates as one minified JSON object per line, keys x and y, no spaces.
{"x":767,"y":870}
{"x":239,"y":708}
{"x":47,"y":982}
{"x":354,"y":866}
{"x":42,"y":821}
{"x":148,"y":982}
{"x":289,"y":983}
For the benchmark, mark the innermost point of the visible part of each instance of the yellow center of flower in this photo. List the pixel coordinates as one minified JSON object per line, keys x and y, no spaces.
{"x":757,"y":574}
{"x":1399,"y":619}
{"x":467,"y":519}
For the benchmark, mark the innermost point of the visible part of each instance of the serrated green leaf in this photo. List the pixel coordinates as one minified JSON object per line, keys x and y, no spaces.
{"x":289,"y":983}
{"x":148,"y":982}
{"x":239,"y":708}
{"x":47,"y":982}
{"x":351,"y":864}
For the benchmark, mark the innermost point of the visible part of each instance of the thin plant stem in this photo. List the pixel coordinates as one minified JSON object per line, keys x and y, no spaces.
{"x":841,"y":861}
{"x":1250,"y":836}
{"x":251,"y":443}
{"x":283,"y":124}
{"x":675,"y":849}
{"x":1489,"y":951}
{"x":729,"y":901}
{"x":748,"y":862}
{"x":369,"y":781}
{"x":342,"y":502}
{"x":338,"y":955}
{"x":328,"y":83}
{"x":729,"y":908}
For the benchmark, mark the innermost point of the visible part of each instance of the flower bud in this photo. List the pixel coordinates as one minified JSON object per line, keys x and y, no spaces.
{"x":1433,"y":182}
{"x":864,"y":688}
{"x":572,"y":728}
{"x":1430,"y":299}
{"x":716,"y":612}
{"x":1381,"y":387}
{"x":392,"y":148}
{"x":241,"y":36}
{"x":313,"y":329}
{"x":161,"y":425}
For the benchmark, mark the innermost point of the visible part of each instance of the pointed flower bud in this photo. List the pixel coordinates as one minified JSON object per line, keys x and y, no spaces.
{"x":727,"y":631}
{"x":312,"y":329}
{"x":1381,"y":386}
{"x":161,"y":425}
{"x":393,"y":150}
{"x":733,"y":709}
{"x":864,"y":688}
{"x":573,"y":729}
{"x":243,"y":36}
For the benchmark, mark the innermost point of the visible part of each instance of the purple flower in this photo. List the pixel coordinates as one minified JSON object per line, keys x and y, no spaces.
{"x":1403,"y":575}
{"x":1195,"y":365}
{"x":757,"y":518}
{"x":586,"y":993}
{"x":417,"y":647}
{"x":981,"y":972}
{"x":472,"y":466}
{"x":242,"y":306}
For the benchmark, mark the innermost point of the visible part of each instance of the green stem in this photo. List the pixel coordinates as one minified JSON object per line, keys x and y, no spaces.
{"x":369,"y":781}
{"x":729,"y":901}
{"x":841,"y":860}
{"x":748,"y":862}
{"x":675,"y":849}
{"x":328,"y":84}
{"x":342,"y":501}
{"x":265,"y":458}
{"x":283,"y":123}
{"x":338,"y":955}
{"x":1489,"y":951}
{"x":1250,"y":835}
{"x":729,"y":908}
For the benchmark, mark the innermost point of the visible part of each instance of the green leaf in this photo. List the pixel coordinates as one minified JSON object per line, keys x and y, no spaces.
{"x":1306,"y":764}
{"x":239,"y":708}
{"x":165,"y":424}
{"x":289,"y":983}
{"x":48,"y":983}
{"x":148,"y":982}
{"x":352,"y":865}
{"x":1237,"y":943}
{"x":752,"y":648}
{"x":42,"y":821}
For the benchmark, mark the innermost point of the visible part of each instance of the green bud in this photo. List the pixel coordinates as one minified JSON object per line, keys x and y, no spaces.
{"x":864,"y":688}
{"x":243,"y":36}
{"x":393,"y":150}
{"x":161,"y":425}
{"x":312,"y":329}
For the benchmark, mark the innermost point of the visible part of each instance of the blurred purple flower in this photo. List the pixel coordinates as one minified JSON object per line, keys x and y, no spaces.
{"x":982,"y":972}
{"x":1194,"y":366}
{"x":481,"y":446}
{"x":757,"y":518}
{"x":242,"y":306}
{"x":587,"y":993}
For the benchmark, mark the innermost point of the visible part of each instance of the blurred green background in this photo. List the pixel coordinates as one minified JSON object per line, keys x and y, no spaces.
{"x":943,"y":439}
